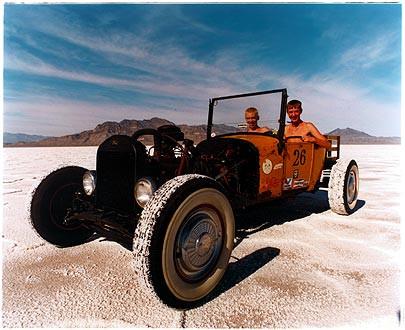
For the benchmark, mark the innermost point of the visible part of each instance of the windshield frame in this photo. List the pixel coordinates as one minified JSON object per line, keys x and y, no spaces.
{"x":281,"y":120}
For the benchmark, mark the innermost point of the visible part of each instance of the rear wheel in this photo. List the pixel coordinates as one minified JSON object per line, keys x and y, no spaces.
{"x":50,"y":203}
{"x":343,"y":187}
{"x":184,"y":240}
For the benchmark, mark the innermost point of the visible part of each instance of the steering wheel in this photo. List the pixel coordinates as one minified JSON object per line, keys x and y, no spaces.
{"x":157,"y":139}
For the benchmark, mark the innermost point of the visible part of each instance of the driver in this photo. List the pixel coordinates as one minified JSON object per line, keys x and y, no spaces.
{"x":251,"y":117}
{"x":306,"y":130}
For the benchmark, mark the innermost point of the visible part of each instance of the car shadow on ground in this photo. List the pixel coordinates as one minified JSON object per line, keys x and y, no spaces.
{"x":242,"y":268}
{"x":255,"y":219}
{"x":126,"y":244}
{"x":260,"y":217}
{"x":359,"y":205}
{"x":276,"y":212}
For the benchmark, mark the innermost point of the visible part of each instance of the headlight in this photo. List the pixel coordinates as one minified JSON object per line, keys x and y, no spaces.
{"x":143,"y":191}
{"x":89,"y":182}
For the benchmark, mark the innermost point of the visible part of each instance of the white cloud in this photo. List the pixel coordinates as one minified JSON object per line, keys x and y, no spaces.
{"x":369,"y":53}
{"x":155,"y":85}
{"x":328,"y":100}
{"x":331,"y":99}
{"x":164,"y":61}
{"x":331,"y":103}
{"x":58,"y":116}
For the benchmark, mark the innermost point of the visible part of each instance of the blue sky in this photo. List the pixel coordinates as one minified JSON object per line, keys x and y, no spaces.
{"x":70,"y":67}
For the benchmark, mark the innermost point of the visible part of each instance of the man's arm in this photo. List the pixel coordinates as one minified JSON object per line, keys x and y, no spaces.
{"x":316,"y":137}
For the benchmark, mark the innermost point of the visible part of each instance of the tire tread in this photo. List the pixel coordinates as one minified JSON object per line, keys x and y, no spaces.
{"x":144,"y":230}
{"x":45,"y":230}
{"x":336,"y":186}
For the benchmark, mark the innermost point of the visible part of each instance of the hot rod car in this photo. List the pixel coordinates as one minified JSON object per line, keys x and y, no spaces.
{"x":175,"y":201}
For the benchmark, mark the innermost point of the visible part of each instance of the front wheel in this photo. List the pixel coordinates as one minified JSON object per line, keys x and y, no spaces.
{"x":343,"y":187}
{"x":184,"y":240}
{"x":50,"y":203}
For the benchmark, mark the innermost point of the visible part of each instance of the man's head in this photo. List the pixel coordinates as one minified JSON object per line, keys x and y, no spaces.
{"x":294,"y":110}
{"x":251,"y":117}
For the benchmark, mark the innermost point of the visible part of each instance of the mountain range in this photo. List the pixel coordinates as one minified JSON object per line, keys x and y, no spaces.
{"x":9,"y":138}
{"x":352,"y":136}
{"x":196,"y":133}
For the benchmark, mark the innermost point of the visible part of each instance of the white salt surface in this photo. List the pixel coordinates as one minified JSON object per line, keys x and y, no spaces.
{"x":297,"y":264}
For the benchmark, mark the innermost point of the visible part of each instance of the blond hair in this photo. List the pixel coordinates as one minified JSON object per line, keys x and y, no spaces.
{"x":252,"y":110}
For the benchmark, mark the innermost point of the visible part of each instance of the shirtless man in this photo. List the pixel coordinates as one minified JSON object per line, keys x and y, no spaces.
{"x":251,"y":117}
{"x":306,"y":130}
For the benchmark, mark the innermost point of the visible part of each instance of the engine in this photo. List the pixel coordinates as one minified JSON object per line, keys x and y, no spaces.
{"x":233,"y":163}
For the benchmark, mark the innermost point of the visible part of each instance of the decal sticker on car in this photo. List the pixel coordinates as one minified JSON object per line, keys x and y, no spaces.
{"x":301,"y":183}
{"x":278,"y":166}
{"x":267,"y":166}
{"x":295,"y":174}
{"x":287,"y":184}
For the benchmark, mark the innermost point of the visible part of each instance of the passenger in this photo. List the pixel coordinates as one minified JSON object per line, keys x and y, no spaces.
{"x":251,"y":117}
{"x":306,"y":130}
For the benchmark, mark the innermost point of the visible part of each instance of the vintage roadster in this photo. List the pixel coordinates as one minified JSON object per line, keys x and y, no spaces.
{"x":175,"y":201}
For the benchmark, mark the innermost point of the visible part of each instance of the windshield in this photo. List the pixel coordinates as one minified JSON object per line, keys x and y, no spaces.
{"x":229,"y":112}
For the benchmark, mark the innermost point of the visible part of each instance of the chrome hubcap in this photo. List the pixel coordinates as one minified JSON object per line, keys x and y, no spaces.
{"x":351,"y":187}
{"x":204,"y":245}
{"x":198,"y":244}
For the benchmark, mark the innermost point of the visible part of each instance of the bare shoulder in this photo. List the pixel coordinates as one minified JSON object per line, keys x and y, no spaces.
{"x":310,"y":126}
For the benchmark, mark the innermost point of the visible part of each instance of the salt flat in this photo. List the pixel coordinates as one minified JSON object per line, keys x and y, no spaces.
{"x":296,"y":263}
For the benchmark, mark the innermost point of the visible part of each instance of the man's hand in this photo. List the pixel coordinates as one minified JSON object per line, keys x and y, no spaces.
{"x":322,"y":143}
{"x":307,"y":138}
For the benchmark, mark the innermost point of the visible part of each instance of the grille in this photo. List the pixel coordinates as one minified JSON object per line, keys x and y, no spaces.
{"x":116,"y":174}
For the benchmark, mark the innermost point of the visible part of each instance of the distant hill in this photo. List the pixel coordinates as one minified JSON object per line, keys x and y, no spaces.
{"x":196,"y":133}
{"x":9,"y":138}
{"x":97,"y":135}
{"x":352,"y":136}
{"x":349,"y":132}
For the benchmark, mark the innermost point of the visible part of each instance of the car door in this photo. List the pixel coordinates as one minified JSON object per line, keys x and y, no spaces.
{"x":298,"y":161}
